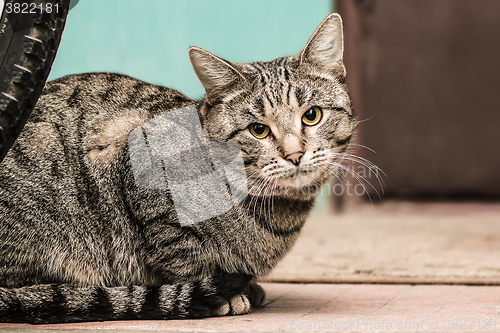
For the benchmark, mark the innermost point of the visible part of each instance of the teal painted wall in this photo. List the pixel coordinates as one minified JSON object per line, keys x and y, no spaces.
{"x":148,"y":39}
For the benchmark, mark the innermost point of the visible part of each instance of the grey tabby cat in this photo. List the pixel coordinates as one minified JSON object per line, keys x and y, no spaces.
{"x":81,"y":241}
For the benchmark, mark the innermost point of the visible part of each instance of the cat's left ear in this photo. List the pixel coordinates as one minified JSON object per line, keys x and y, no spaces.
{"x":213,"y":72}
{"x":325,"y":47}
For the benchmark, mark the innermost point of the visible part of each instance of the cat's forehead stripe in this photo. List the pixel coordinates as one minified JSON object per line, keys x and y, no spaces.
{"x":233,"y":95}
{"x":292,"y":98}
{"x":276,"y":85}
{"x":259,"y":113}
{"x":268,"y":94}
{"x":296,"y":96}
{"x":262,"y":72}
{"x":259,"y":107}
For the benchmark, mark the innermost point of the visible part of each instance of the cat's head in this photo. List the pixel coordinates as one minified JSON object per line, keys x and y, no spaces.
{"x":291,"y":117}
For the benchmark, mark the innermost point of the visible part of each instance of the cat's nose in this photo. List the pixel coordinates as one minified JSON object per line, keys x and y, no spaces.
{"x":295,"y":157}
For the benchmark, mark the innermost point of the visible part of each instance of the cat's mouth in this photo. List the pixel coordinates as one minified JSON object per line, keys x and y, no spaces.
{"x":302,"y":177}
{"x":299,"y":182}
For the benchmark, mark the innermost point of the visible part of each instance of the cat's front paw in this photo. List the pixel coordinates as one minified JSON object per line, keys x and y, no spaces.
{"x":255,"y":294}
{"x":237,"y":305}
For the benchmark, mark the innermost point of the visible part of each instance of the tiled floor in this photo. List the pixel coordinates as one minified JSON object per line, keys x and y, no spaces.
{"x":335,"y":308}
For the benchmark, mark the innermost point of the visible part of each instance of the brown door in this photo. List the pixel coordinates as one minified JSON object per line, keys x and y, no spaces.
{"x":425,"y":80}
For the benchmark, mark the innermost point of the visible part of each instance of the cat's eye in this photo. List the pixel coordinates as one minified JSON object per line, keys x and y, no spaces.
{"x":260,"y":131}
{"x":312,"y":116}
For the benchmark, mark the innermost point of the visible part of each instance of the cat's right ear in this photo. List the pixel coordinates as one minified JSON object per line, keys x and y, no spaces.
{"x":213,"y":72}
{"x":325,"y":48}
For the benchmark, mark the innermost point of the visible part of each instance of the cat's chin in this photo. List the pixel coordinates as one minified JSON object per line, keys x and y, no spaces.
{"x":296,"y":182}
{"x":308,"y":192}
{"x":296,"y":188}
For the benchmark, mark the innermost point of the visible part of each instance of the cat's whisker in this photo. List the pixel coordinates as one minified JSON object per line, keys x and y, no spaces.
{"x":364,"y":162}
{"x":367,"y":162}
{"x":258,"y":185}
{"x":362,"y":146}
{"x":253,"y":180}
{"x":268,"y":199}
{"x":357,"y":122}
{"x":250,"y":186}
{"x":340,"y":177}
{"x":255,"y":187}
{"x":273,"y":194}
{"x":361,"y":180}
{"x":371,"y":167}
{"x":263,"y":200}
{"x":271,"y":201}
{"x":265,"y":187}
{"x":261,"y":185}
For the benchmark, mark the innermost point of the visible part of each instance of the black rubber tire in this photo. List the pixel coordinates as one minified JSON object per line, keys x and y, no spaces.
{"x":28,"y":46}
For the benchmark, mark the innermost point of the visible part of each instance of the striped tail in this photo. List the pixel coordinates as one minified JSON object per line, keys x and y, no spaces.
{"x":60,"y":303}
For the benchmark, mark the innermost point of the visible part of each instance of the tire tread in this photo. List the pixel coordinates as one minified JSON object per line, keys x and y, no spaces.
{"x":40,"y":44}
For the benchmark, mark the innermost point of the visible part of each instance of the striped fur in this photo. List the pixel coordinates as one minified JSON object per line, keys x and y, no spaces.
{"x":80,"y":240}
